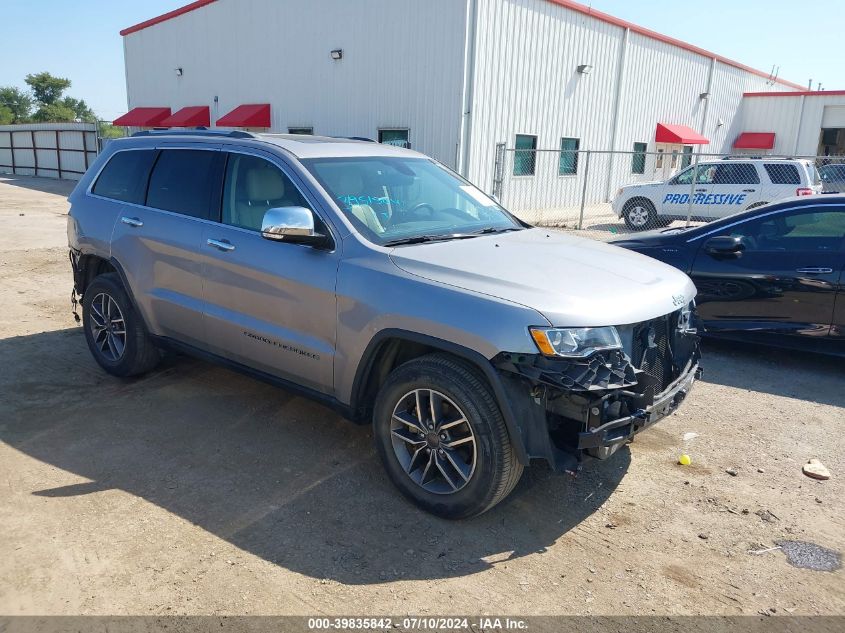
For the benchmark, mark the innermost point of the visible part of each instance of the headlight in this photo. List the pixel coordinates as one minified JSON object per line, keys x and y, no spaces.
{"x":575,"y":342}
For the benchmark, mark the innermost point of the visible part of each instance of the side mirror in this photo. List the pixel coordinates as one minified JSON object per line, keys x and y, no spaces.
{"x":291,"y":224}
{"x":724,"y":246}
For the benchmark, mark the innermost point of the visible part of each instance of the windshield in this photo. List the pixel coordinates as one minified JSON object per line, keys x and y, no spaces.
{"x":396,"y":199}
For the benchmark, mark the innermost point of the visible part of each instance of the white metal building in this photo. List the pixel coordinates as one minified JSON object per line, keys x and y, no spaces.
{"x":802,"y":123}
{"x":451,"y":77}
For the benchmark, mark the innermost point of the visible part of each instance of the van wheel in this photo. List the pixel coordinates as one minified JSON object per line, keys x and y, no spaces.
{"x":442,"y":438}
{"x":640,"y":215}
{"x":115,"y":334}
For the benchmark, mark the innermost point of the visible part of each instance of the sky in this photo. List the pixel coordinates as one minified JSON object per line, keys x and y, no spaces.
{"x":79,"y":39}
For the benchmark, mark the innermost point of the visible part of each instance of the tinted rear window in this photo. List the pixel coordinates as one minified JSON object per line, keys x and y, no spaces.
{"x":124,"y":177}
{"x":783,"y":174}
{"x":182,"y":182}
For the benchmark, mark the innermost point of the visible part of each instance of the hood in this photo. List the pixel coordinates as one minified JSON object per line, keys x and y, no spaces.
{"x":571,"y":281}
{"x":636,"y":185}
{"x":657,"y":237}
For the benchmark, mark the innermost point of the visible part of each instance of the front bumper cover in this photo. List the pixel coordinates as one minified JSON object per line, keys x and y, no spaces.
{"x":616,"y":432}
{"x":569,"y":409}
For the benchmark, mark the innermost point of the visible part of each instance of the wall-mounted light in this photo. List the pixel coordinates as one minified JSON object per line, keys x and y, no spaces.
{"x":178,"y":71}
{"x":720,"y":122}
{"x":585,"y":69}
{"x":337,"y":54}
{"x":704,"y":96}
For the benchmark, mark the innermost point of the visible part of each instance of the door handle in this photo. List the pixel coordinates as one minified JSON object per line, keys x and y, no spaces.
{"x":133,"y":222}
{"x":700,"y":190}
{"x":814,"y":271}
{"x":749,"y":190}
{"x":221,"y":245}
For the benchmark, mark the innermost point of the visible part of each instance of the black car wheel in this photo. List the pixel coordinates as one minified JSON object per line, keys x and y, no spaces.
{"x":639,"y":214}
{"x":442,"y":438}
{"x":114,"y":331}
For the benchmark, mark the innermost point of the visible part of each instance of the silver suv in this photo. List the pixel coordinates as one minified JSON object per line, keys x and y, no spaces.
{"x":379,"y":282}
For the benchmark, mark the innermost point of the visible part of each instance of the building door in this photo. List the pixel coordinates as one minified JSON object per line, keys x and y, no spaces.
{"x":667,"y":163}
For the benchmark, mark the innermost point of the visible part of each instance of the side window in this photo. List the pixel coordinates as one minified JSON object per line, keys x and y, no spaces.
{"x":253,"y":185}
{"x":783,"y":173}
{"x":182,"y":182}
{"x":301,"y":130}
{"x":812,"y":230}
{"x":524,"y":156}
{"x":704,"y":175}
{"x":125,"y":176}
{"x":736,"y":174}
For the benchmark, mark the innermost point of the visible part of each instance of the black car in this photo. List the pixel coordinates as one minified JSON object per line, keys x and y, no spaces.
{"x":772,"y":275}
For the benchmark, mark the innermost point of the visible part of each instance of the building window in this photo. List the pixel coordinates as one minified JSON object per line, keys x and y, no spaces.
{"x":568,"y":163}
{"x":525,"y":156}
{"x":638,"y":158}
{"x":300,"y":130}
{"x":400,"y":137}
{"x":658,"y":162}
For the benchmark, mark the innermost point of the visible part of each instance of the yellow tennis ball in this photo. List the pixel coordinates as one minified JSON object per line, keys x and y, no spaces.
{"x":684,"y":460}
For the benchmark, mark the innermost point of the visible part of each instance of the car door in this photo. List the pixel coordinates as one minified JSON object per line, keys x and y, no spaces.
{"x":736,"y":186}
{"x":157,"y":243}
{"x":675,"y":198}
{"x":784,"y":280}
{"x":269,"y":305}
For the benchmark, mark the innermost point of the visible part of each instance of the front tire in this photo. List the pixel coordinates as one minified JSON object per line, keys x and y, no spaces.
{"x":442,"y":438}
{"x":114,"y":331}
{"x":640,"y":215}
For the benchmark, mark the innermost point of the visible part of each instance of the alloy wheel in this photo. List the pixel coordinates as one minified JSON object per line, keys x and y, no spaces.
{"x":108,"y":328}
{"x":433,"y":441}
{"x":638,"y":215}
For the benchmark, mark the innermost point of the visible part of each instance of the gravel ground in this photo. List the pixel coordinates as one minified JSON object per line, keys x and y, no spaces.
{"x":194,"y":490}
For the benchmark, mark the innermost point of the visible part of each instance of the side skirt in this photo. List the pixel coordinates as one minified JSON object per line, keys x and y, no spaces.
{"x":329,"y":401}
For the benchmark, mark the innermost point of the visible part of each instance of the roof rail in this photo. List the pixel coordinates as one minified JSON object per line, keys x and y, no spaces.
{"x":756,"y":157}
{"x":354,"y":138}
{"x":196,"y":132}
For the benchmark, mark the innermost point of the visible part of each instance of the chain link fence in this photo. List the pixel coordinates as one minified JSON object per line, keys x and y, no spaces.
{"x":603,"y":194}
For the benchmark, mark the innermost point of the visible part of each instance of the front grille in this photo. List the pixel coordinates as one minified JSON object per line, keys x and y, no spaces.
{"x":652,"y":352}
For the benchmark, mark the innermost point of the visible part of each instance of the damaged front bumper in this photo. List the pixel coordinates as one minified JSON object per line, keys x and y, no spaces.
{"x":569,"y":409}
{"x":605,"y":439}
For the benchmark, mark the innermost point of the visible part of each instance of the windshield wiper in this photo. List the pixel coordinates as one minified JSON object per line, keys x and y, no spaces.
{"x":419,"y":239}
{"x":493,"y":229}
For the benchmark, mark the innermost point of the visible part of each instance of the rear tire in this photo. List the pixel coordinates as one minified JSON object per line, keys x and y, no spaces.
{"x":114,"y":331}
{"x":640,"y":215}
{"x":442,"y":438}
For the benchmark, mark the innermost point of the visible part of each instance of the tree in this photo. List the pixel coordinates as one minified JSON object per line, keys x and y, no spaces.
{"x":19,"y":102}
{"x":6,"y":115}
{"x":54,"y":113}
{"x":47,"y":88}
{"x":83,"y":112}
{"x":107,"y":130}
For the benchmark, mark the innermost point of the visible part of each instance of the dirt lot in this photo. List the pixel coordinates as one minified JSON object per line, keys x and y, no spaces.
{"x":197,"y":490}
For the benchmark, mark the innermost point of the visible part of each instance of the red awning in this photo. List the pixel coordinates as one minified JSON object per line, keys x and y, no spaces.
{"x":755,"y":140}
{"x":143,"y":117}
{"x":192,"y":116}
{"x":678,"y":134}
{"x":249,"y":115}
